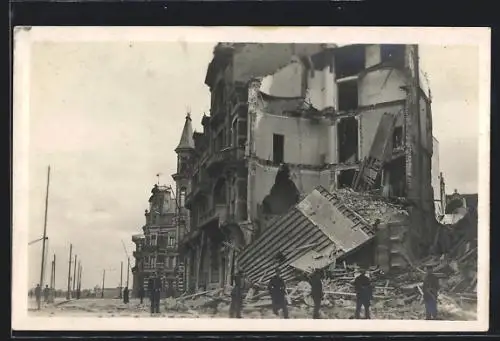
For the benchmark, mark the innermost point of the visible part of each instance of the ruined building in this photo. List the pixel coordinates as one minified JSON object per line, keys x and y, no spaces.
{"x":156,"y":248}
{"x":287,"y":118}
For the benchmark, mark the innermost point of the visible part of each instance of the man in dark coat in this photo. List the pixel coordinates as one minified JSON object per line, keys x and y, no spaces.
{"x":154,"y":286}
{"x":363,"y":289}
{"x":277,"y":290}
{"x":430,"y":289}
{"x":46,"y":294}
{"x":38,"y":293}
{"x":141,"y":293}
{"x":316,"y":292}
{"x":125,"y":295}
{"x":236,"y":297}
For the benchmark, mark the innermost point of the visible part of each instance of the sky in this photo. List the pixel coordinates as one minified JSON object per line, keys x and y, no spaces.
{"x":108,"y":116}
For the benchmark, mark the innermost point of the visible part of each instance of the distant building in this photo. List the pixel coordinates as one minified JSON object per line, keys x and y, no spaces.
{"x":156,"y":248}
{"x":108,"y":292}
{"x":286,"y":118}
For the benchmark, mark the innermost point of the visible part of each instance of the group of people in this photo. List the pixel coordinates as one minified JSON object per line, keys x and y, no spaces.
{"x":38,"y":293}
{"x":154,"y":290}
{"x":362,"y":285}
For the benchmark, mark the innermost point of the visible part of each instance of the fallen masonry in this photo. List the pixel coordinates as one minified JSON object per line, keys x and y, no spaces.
{"x":396,"y":296}
{"x":305,"y":238}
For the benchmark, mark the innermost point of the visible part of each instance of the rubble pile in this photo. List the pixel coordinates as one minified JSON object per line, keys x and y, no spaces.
{"x":395,"y":296}
{"x":370,"y":207}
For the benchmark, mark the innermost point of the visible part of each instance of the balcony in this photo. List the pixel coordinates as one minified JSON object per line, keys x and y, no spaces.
{"x":217,"y":115}
{"x":220,"y":211}
{"x":200,"y":188}
{"x":224,"y":157}
{"x":137,"y":238}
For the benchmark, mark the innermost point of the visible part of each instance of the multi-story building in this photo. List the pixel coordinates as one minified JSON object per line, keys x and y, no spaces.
{"x":156,"y":248}
{"x":286,"y":118}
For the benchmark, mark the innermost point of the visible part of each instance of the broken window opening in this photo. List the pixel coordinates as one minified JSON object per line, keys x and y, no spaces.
{"x":347,"y":133}
{"x":283,"y":195}
{"x":348,"y":95}
{"x":242,"y":128}
{"x":346,"y":178}
{"x":234,"y":134}
{"x":349,"y":60}
{"x":215,"y":262}
{"x":397,"y":138}
{"x":220,"y":192}
{"x":278,"y":148}
{"x":182,"y":197}
{"x":394,"y":178}
{"x":394,"y":54}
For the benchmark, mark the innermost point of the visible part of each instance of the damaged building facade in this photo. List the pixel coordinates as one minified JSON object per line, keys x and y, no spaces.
{"x":287,"y":118}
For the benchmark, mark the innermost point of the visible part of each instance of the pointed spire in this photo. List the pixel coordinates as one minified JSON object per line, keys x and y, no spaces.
{"x":186,"y":141}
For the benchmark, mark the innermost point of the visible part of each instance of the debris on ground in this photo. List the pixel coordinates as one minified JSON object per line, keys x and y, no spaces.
{"x":395,"y":296}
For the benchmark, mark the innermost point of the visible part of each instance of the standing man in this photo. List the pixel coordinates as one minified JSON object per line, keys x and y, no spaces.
{"x":277,"y":290}
{"x":141,"y":293}
{"x":430,"y":289}
{"x":46,"y":293}
{"x":38,"y":293}
{"x":125,"y":295}
{"x":154,"y":286}
{"x":236,"y":297}
{"x":363,"y":289}
{"x":316,"y":292}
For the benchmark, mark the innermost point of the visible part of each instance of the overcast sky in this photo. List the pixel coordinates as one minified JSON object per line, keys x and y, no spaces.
{"x":107,"y":118}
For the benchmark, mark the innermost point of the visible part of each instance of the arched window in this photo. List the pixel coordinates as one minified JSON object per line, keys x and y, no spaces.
{"x":182,"y":197}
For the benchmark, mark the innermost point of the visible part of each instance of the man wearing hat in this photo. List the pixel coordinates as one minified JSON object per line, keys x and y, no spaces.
{"x":277,"y":290}
{"x":236,"y":297}
{"x":363,"y":289}
{"x":316,"y":291}
{"x":430,"y":289}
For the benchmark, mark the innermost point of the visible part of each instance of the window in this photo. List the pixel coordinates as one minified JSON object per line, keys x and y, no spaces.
{"x":397,"y":137}
{"x":182,"y":197}
{"x":170,"y":262}
{"x":278,"y":148}
{"x":152,"y":262}
{"x":348,"y":95}
{"x":393,"y":53}
{"x":349,"y":60}
{"x":234,"y":134}
{"x":171,"y":239}
{"x":346,"y":178}
{"x":347,"y":133}
{"x":154,"y":239}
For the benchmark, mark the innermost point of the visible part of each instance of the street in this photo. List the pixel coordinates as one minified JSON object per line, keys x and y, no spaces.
{"x":340,"y":309}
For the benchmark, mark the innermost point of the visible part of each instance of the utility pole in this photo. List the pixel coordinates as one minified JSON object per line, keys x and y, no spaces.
{"x":68,"y":294}
{"x":53,"y":279}
{"x":80,"y":281}
{"x":79,"y":277}
{"x":44,"y":234}
{"x":128,"y":269}
{"x":121,"y":278}
{"x":75,"y":277}
{"x":103,"y":277}
{"x":52,"y":284}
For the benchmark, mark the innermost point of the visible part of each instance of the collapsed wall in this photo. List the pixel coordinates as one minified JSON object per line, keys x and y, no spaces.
{"x":324,"y":228}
